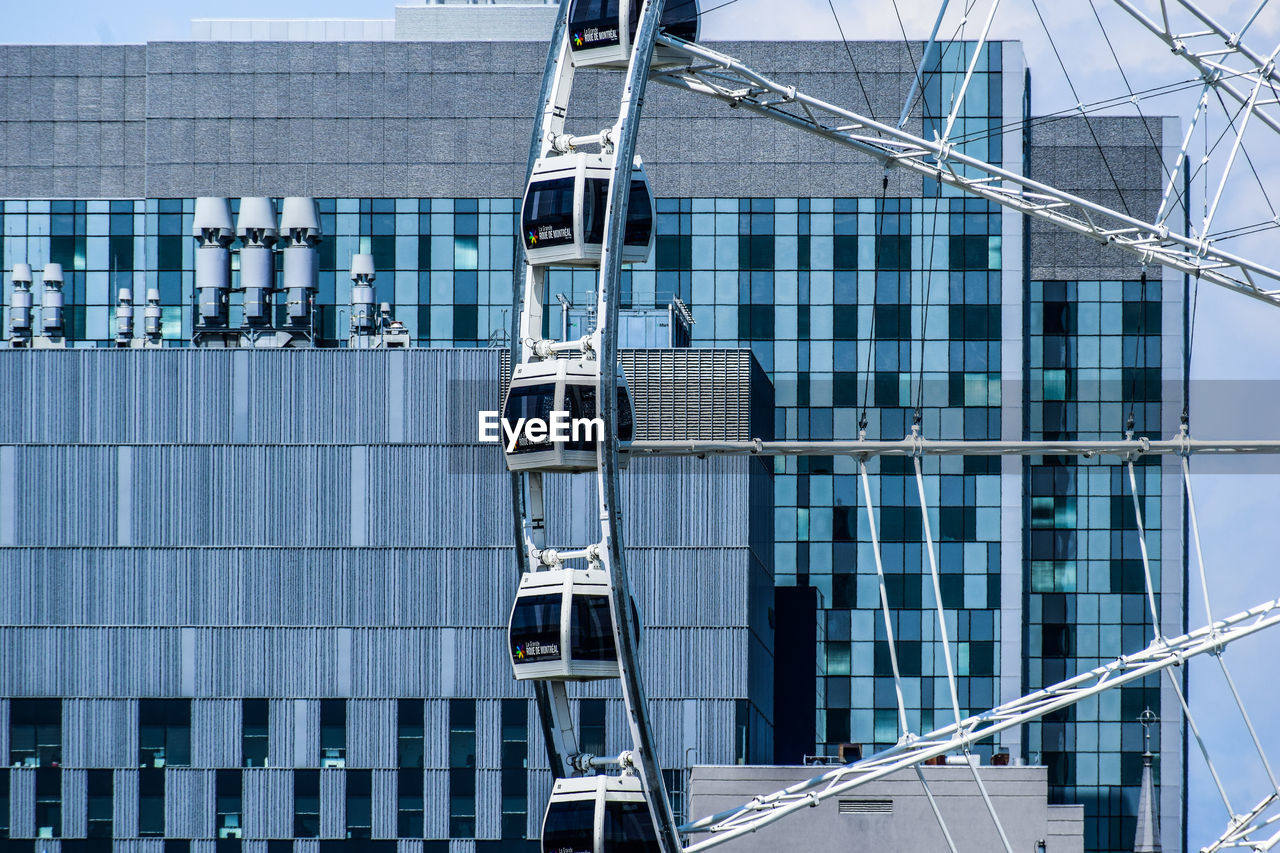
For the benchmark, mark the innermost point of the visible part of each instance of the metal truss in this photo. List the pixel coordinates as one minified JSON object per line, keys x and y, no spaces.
{"x":1224,"y":61}
{"x":915,"y":445}
{"x":1227,"y":65}
{"x":710,"y":72}
{"x":909,"y":752}
{"x":1240,"y":832}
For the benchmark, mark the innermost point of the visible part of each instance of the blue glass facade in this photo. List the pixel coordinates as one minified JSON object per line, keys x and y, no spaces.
{"x":1095,"y":355}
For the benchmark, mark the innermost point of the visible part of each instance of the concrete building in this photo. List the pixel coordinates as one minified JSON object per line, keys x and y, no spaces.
{"x":893,"y":814}
{"x":777,"y":243}
{"x":264,"y":595}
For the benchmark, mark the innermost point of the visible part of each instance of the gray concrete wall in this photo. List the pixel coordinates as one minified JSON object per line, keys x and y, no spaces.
{"x":446,"y":119}
{"x":1111,"y":161}
{"x":893,"y":815}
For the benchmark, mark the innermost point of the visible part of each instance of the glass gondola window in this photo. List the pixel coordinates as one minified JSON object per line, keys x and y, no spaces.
{"x":570,"y":827}
{"x":628,"y":828}
{"x":679,"y":18}
{"x":547,"y":218}
{"x":530,"y":401}
{"x":591,"y":629}
{"x":580,"y":401}
{"x":626,"y":424}
{"x":639,"y":212}
{"x":535,"y":629}
{"x":594,"y":23}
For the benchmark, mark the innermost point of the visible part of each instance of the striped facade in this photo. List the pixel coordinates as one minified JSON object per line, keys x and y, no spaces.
{"x":303,"y":526}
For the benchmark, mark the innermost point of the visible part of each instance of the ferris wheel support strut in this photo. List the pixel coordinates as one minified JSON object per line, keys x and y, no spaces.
{"x":718,"y":75}
{"x":528,"y":522}
{"x":917,"y":446}
{"x":644,"y":757}
{"x":1211,"y":63}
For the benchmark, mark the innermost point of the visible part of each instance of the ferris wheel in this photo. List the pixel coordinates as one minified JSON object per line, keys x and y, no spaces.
{"x":588,"y":204}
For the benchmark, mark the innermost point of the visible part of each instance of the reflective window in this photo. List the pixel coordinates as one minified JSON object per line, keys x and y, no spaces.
{"x":229,"y":798}
{"x":628,"y":828}
{"x":529,"y":401}
{"x":4,"y":804}
{"x":409,"y":732}
{"x":35,"y":732}
{"x":49,"y":802}
{"x":591,"y":726}
{"x":580,"y":402}
{"x":535,"y":628}
{"x":462,"y":768}
{"x":409,"y":793}
{"x":591,"y":629}
{"x":164,"y":732}
{"x":515,"y":762}
{"x":255,"y":726}
{"x":151,"y":801}
{"x":359,"y":803}
{"x":569,"y":827}
{"x":306,"y":803}
{"x":101,"y":805}
{"x":333,"y":732}
{"x":547,"y":218}
{"x":639,"y":213}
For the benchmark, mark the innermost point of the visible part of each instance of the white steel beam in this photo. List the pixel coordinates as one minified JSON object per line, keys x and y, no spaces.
{"x":911,"y":446}
{"x":1212,"y":60}
{"x":768,"y":808}
{"x":1242,"y":829}
{"x":710,"y":72}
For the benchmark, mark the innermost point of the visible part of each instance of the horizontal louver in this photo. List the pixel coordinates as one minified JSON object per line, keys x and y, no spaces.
{"x":866,"y":806}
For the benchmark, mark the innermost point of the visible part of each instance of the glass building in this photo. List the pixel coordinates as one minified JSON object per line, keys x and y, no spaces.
{"x":901,"y":301}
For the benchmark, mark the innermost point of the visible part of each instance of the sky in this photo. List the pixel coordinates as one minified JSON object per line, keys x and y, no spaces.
{"x":1236,"y":363}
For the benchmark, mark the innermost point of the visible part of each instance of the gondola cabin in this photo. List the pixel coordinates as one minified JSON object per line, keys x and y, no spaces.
{"x":598,"y":814}
{"x":562,"y":219}
{"x":561,"y":628}
{"x":560,"y":394}
{"x":601,"y":31}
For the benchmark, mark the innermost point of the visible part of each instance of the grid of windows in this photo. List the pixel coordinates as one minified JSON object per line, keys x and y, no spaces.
{"x":1094,"y":356}
{"x":888,"y":301}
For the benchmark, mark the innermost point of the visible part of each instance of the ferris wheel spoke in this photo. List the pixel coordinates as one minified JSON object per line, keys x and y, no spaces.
{"x":741,"y":86}
{"x":1221,"y":57}
{"x":768,"y":808}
